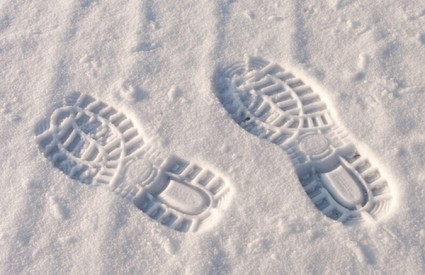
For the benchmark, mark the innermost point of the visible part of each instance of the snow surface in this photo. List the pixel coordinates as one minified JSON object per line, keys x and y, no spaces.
{"x":155,"y":60}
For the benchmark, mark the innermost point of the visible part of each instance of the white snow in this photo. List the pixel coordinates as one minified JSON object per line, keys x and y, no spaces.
{"x":155,"y":61}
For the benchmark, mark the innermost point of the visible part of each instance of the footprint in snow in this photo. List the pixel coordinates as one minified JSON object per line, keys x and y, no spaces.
{"x":95,"y":143}
{"x":271,"y":103}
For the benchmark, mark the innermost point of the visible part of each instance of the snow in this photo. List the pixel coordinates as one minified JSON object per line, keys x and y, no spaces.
{"x":157,"y":63}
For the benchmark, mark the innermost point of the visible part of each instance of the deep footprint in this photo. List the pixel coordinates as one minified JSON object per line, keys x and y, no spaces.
{"x":94,"y":143}
{"x":273,"y":104}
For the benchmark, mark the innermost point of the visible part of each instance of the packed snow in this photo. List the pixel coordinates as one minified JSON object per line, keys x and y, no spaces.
{"x":133,"y":141}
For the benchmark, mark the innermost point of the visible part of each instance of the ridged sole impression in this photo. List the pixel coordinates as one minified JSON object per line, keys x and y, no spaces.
{"x":271,"y":103}
{"x":94,"y":143}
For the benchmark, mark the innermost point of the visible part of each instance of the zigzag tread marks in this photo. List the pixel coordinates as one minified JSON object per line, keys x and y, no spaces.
{"x":78,"y":135}
{"x":164,"y":214}
{"x":189,"y":184}
{"x":290,"y":113}
{"x":273,"y":89}
{"x":90,"y":141}
{"x":83,"y":101}
{"x":283,"y":96}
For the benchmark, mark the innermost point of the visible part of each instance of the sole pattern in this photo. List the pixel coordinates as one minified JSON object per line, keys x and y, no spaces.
{"x":94,"y":143}
{"x":273,"y":104}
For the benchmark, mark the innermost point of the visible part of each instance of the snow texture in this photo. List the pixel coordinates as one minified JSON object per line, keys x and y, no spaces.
{"x":212,"y":137}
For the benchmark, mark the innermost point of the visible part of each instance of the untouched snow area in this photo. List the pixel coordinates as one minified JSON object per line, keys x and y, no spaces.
{"x":162,"y":67}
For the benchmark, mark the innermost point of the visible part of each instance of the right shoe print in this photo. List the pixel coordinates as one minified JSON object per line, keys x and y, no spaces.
{"x":273,"y":104}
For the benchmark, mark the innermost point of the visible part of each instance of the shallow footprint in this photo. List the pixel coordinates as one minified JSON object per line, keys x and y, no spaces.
{"x":94,"y":143}
{"x":273,"y":104}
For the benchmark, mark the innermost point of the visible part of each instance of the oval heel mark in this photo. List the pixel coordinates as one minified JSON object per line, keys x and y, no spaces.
{"x":344,"y":187}
{"x":185,"y":198}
